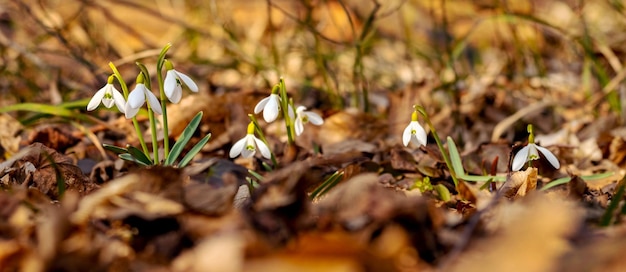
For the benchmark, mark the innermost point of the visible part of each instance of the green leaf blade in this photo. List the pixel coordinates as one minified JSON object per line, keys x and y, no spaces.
{"x":129,"y":157}
{"x":455,"y":158}
{"x":564,"y":180}
{"x":115,"y":149}
{"x":196,"y":148}
{"x":184,"y":139}
{"x":139,"y":155}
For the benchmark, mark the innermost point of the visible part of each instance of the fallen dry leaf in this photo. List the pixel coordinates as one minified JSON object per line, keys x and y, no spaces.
{"x":55,"y":137}
{"x":42,"y":167}
{"x":362,"y":65}
{"x":9,"y":136}
{"x":222,"y":252}
{"x":520,"y":183}
{"x":527,"y":235}
{"x":362,"y":203}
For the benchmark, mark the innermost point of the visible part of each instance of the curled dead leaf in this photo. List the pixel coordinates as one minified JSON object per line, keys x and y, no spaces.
{"x":212,"y":186}
{"x":42,"y":167}
{"x":149,"y":192}
{"x":520,"y":183}
{"x":467,"y":192}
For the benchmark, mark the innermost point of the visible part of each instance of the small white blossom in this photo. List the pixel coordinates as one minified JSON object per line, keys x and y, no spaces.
{"x":247,"y":146}
{"x":303,"y":116}
{"x":172,"y":84}
{"x":138,"y":97}
{"x":531,"y":152}
{"x":414,"y":132}
{"x":270,"y":107}
{"x":108,"y":95}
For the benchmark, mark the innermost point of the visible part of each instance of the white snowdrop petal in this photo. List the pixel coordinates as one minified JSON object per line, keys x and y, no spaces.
{"x":176,"y":95}
{"x":406,"y":135}
{"x":137,"y":97}
{"x":549,"y":156}
{"x":247,"y":153}
{"x":293,"y":113}
{"x":119,"y":100}
{"x":108,"y":102}
{"x":154,"y":102}
{"x":265,"y":151}
{"x":96,"y":99}
{"x":520,"y":159}
{"x":270,"y":112}
{"x":420,"y":133}
{"x":299,"y":127}
{"x":261,"y":105}
{"x":314,"y":118}
{"x":415,"y":141}
{"x":129,"y":111}
{"x":93,"y":103}
{"x":532,"y":152}
{"x":236,"y":149}
{"x":188,"y":81}
{"x":250,"y":148}
{"x":169,"y":84}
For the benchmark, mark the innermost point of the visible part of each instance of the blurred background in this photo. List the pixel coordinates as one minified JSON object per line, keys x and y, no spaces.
{"x":339,"y":53}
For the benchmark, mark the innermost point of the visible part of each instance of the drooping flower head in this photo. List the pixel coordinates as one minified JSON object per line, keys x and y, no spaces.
{"x":414,"y":132}
{"x":172,"y":85}
{"x":269,"y":105}
{"x":108,"y":95}
{"x":531,"y":152}
{"x":248,"y":145}
{"x":303,"y":116}
{"x":138,"y":97}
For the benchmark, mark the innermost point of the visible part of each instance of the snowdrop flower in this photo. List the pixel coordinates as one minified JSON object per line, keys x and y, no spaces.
{"x":138,"y":97}
{"x":270,"y":106}
{"x":531,"y":152}
{"x":414,"y":132}
{"x":303,"y":116}
{"x":248,"y":145}
{"x":172,"y":84}
{"x":108,"y":95}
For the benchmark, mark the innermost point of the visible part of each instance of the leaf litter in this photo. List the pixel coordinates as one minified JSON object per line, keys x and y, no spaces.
{"x":66,"y":205}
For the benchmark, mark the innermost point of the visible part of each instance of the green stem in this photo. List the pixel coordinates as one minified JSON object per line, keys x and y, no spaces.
{"x":259,"y":132}
{"x":284,"y":101}
{"x":119,"y":78}
{"x":608,"y":215}
{"x":166,"y":131}
{"x":153,"y":130}
{"x":357,"y":69}
{"x":444,"y":153}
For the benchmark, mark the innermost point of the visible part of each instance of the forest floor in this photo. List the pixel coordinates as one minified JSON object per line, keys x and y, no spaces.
{"x":92,"y":190}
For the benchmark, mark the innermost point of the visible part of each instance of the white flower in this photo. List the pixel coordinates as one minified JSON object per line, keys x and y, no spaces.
{"x":247,"y":146}
{"x":137,"y":97}
{"x":108,"y":95}
{"x":303,"y":116}
{"x":172,"y":86}
{"x":531,"y":152}
{"x":414,"y":133}
{"x":270,"y":107}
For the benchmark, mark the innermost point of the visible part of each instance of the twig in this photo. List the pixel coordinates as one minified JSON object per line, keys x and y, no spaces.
{"x":307,"y":26}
